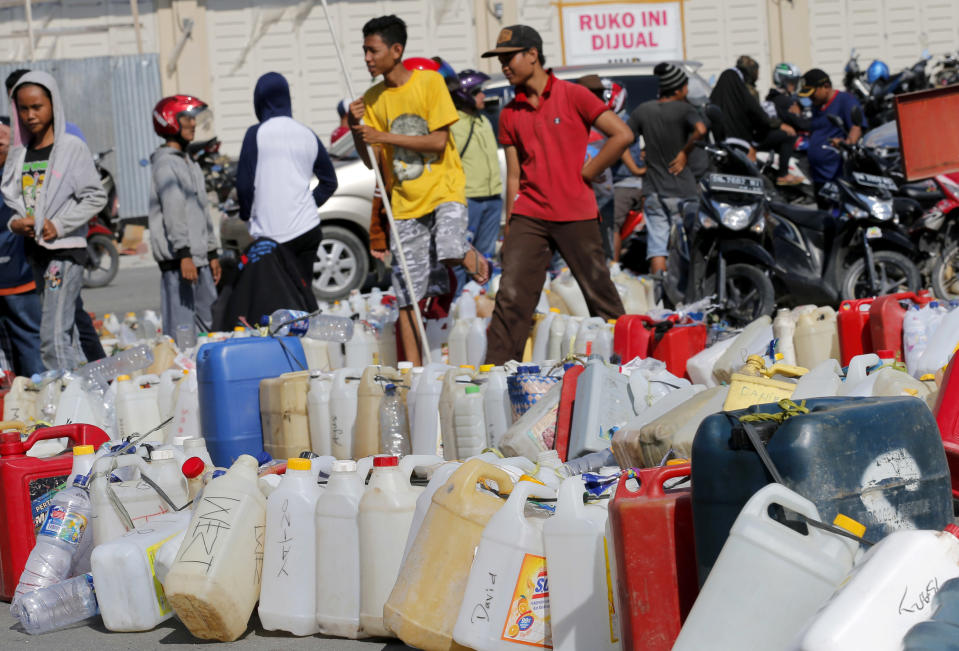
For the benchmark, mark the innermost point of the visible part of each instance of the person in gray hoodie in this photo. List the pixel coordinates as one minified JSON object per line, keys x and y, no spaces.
{"x":182,"y":238}
{"x":52,"y":186}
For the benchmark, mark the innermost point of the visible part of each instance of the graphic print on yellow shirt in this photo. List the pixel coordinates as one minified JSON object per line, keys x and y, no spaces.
{"x":421,"y":181}
{"x":34,"y":170}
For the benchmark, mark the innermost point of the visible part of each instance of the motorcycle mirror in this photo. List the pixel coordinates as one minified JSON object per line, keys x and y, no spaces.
{"x":836,"y":121}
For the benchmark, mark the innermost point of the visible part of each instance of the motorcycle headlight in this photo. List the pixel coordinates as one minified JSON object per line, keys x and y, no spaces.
{"x":881,"y":209}
{"x":706,"y":221}
{"x":856,"y":211}
{"x":735,"y":218}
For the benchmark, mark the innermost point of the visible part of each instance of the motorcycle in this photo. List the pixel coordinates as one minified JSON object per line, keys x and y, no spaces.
{"x":947,"y":71}
{"x":103,"y":232}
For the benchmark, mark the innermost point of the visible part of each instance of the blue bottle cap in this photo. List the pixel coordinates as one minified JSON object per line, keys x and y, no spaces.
{"x":265,"y":320}
{"x":218,"y":473}
{"x":390,"y":389}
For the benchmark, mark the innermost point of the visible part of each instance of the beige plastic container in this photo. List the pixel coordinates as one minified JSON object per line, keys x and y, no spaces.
{"x":366,"y":433}
{"x":425,"y":601}
{"x":817,"y":337}
{"x":164,"y":352}
{"x":454,"y":383}
{"x":20,"y":403}
{"x":215,"y":580}
{"x":675,"y":430}
{"x":626,"y":444}
{"x":284,"y":416}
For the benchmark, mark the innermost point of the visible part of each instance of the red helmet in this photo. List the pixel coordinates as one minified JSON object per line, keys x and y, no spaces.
{"x":614,"y":95}
{"x":420,"y":63}
{"x":167,"y":113}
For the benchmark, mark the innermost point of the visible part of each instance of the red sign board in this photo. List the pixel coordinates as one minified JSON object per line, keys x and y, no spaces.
{"x":929,"y":131}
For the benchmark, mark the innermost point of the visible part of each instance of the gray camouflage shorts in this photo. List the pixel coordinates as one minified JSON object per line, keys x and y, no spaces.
{"x":427,"y":241}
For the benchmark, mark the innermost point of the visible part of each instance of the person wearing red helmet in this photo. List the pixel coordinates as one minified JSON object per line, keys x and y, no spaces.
{"x":52,"y":186}
{"x":182,"y":238}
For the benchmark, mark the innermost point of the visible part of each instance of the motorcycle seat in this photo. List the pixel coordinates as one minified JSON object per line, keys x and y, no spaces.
{"x":921,"y":191}
{"x":801,"y":215}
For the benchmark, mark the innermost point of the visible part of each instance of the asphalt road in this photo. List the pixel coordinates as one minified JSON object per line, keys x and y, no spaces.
{"x":136,"y":288}
{"x":169,"y":635}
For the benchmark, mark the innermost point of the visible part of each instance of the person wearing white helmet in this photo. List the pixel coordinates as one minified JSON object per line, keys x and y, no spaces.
{"x":782,"y":96}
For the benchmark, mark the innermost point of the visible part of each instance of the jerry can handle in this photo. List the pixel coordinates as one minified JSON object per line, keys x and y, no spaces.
{"x":758,"y":507}
{"x":651,"y":480}
{"x":477,"y":471}
{"x":78,"y":435}
{"x":7,"y":425}
{"x":785,"y":369}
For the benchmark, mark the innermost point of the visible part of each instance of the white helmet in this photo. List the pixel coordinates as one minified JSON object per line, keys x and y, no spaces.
{"x":785,"y":73}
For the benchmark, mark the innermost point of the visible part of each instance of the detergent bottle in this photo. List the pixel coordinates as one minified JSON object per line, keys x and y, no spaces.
{"x":425,"y":602}
{"x":214,"y":583}
{"x":582,"y":613}
{"x":796,"y":574}
{"x":497,"y":613}
{"x":288,"y":590}
{"x":318,"y":411}
{"x":338,"y":550}
{"x":385,"y":517}
{"x":343,"y":406}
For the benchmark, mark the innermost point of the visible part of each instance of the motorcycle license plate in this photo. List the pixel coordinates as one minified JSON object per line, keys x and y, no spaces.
{"x":873,"y":233}
{"x":735,"y":183}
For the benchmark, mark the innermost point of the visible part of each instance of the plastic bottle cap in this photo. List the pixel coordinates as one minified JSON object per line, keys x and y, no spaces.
{"x":239,"y":329}
{"x":385,"y":461}
{"x":123,"y":378}
{"x":390,"y":389}
{"x":852,"y":526}
{"x":80,"y":450}
{"x":344,"y":466}
{"x":297,"y":464}
{"x":468,"y":366}
{"x":192,"y":467}
{"x":471,"y":389}
{"x":554,"y":310}
{"x":953,"y":529}
{"x":193,"y":442}
{"x":486,"y":368}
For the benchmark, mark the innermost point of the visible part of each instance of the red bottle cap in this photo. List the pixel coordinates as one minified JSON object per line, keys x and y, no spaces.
{"x":193,"y":467}
{"x":953,"y":529}
{"x":385,"y":461}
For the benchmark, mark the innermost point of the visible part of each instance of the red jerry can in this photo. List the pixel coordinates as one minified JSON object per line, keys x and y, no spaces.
{"x":675,"y":343}
{"x":885,"y":320}
{"x":631,"y":336}
{"x":655,"y":552}
{"x":26,"y":486}
{"x":855,"y":337}
{"x":947,"y":406}
{"x":564,"y":415}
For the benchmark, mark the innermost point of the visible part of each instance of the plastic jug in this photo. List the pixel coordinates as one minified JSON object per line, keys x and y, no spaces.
{"x":784,"y":330}
{"x":338,"y":550}
{"x":134,"y":503}
{"x":426,"y":426}
{"x":602,"y":402}
{"x":569,"y":337}
{"x":318,"y":412}
{"x":362,"y":349}
{"x":366,"y":433}
{"x":288,"y":591}
{"x":626,"y":444}
{"x":857,"y":371}
{"x":941,"y":345}
{"x":497,"y":412}
{"x":636,"y":296}
{"x":886,"y":319}
{"x":753,"y":340}
{"x":286,"y":429}
{"x":855,"y":337}
{"x":878,"y":460}
{"x":557,"y":331}
{"x":77,"y":405}
{"x":440,"y":474}
{"x":650,"y":533}
{"x":568,"y":289}
{"x":458,"y":351}
{"x":700,"y":366}
{"x":582,"y":611}
{"x":469,"y":424}
{"x":215,"y":581}
{"x":27,"y":486}
{"x":20,"y":403}
{"x":817,"y":337}
{"x":137,"y":410}
{"x":343,"y":405}
{"x":940,"y":632}
{"x":426,"y":600}
{"x":890,"y":591}
{"x":229,"y":374}
{"x":476,"y":342}
{"x":541,"y":335}
{"x":675,"y":430}
{"x":795,"y":574}
{"x":564,"y":414}
{"x":649,"y":381}
{"x":186,"y":411}
{"x":914,"y":337}
{"x":196,"y":447}
{"x":754,"y":384}
{"x":589,"y":332}
{"x":454,"y":381}
{"x":317,"y":352}
{"x":129,"y":593}
{"x":506,"y":600}
{"x":822,"y":381}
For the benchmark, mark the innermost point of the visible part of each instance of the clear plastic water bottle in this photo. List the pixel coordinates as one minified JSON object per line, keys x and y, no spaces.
{"x":57,"y":606}
{"x":104,"y":371}
{"x":61,"y":538}
{"x":317,"y":326}
{"x":394,"y":426}
{"x":382,"y":313}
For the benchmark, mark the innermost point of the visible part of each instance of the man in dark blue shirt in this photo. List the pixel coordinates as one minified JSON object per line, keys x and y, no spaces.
{"x":826,"y":164}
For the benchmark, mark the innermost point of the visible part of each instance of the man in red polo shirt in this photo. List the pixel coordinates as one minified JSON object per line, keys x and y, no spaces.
{"x":550,"y":204}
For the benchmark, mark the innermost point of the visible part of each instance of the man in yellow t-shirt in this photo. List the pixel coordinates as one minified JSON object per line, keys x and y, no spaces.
{"x":408,"y":114}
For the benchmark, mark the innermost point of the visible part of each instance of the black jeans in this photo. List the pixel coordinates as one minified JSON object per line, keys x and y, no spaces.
{"x":782,"y":143}
{"x":303,"y":249}
{"x":89,"y":340}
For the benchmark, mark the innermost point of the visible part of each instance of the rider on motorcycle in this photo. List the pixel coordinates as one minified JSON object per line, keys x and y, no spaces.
{"x":782,"y":96}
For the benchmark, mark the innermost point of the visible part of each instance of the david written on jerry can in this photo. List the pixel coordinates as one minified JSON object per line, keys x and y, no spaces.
{"x":877,"y":460}
{"x":27,"y":485}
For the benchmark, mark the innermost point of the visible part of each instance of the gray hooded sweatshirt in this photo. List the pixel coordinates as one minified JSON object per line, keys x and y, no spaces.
{"x":71,"y":194}
{"x":180,"y":223}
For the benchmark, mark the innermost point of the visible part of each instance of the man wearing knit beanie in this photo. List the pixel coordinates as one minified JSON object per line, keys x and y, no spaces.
{"x":670,"y":127}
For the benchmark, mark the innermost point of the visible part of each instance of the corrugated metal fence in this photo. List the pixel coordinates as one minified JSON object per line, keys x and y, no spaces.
{"x":111,"y":99}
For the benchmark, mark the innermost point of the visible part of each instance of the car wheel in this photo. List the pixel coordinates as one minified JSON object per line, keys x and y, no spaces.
{"x":894,"y":272}
{"x":341,"y":264}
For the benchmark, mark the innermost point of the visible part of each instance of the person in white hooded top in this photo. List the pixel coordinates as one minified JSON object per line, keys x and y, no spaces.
{"x":52,"y":186}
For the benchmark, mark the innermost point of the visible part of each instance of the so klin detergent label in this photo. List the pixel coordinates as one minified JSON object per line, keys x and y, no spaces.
{"x":63,"y":524}
{"x":527,"y":620}
{"x":152,"y":551}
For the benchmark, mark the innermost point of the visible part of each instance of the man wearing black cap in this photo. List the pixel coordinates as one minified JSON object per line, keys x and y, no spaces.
{"x":549,"y":202}
{"x":825,"y":163}
{"x":670,"y":128}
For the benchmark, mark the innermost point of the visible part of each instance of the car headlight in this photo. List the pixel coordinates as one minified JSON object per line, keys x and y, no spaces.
{"x":881,"y":209}
{"x":735,"y":218}
{"x":856,"y":211}
{"x":706,"y":221}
